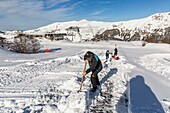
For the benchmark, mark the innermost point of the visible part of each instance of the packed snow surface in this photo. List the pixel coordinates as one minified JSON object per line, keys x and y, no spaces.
{"x":138,"y":82}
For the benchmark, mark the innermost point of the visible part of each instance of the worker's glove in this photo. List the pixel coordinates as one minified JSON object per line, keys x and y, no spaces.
{"x":84,"y":73}
{"x":93,"y":76}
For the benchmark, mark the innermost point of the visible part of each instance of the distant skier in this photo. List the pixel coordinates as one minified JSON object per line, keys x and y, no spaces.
{"x":95,"y":66}
{"x":115,"y":56}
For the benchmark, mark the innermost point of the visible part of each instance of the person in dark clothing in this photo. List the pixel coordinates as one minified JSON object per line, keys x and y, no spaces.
{"x":107,"y":55}
{"x":115,"y":56}
{"x":95,"y":66}
{"x":115,"y":50}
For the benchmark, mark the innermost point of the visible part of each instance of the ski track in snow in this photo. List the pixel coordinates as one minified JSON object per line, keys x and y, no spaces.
{"x":40,"y":86}
{"x":50,"y":84}
{"x":113,"y":96}
{"x":157,"y":64}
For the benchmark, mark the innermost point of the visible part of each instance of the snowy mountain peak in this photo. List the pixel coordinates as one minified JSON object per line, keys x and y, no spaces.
{"x":160,"y":16}
{"x":83,"y":20}
{"x":88,"y":29}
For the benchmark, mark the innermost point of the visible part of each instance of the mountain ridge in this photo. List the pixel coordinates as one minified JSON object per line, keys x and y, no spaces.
{"x":84,"y":29}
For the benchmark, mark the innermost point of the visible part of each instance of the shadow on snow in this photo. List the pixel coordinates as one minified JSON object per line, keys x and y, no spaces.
{"x":93,"y":104}
{"x":104,"y":79}
{"x":49,"y":50}
{"x":142,"y":99}
{"x":109,"y":74}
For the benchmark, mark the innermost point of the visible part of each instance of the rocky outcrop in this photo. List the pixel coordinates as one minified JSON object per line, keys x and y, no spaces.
{"x":136,"y":37}
{"x":125,"y":34}
{"x":107,"y":35}
{"x":166,"y":37}
{"x":157,"y":36}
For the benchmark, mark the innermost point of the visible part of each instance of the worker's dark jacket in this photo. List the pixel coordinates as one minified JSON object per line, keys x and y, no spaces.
{"x":95,"y":64}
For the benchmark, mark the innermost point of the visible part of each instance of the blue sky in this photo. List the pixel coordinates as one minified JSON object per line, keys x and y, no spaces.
{"x":30,"y":14}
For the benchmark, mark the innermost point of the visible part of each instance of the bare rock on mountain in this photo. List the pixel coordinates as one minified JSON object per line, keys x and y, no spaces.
{"x":107,"y":35}
{"x":136,"y":37}
{"x":166,"y":37}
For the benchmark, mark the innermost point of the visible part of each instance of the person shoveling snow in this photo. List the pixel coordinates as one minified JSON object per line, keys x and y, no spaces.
{"x":95,"y":66}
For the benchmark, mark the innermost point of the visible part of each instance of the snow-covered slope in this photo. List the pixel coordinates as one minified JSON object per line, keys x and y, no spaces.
{"x":156,"y":21}
{"x":88,"y":29}
{"x":48,"y":82}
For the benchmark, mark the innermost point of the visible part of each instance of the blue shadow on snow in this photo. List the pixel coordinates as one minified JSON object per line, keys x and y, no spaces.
{"x":142,"y":98}
{"x":109,"y":74}
{"x":51,"y":50}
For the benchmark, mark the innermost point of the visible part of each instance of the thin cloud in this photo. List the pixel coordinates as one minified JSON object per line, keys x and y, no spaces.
{"x":53,"y":3}
{"x":97,"y":13}
{"x":33,"y":9}
{"x":105,"y":2}
{"x":20,"y":13}
{"x":108,"y":2}
{"x":17,"y":7}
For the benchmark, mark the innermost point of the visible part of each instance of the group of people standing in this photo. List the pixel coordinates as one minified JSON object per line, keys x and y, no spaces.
{"x":113,"y":55}
{"x":95,"y":66}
